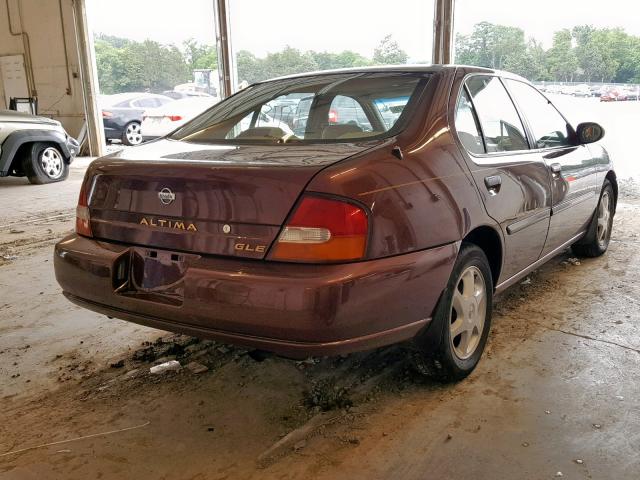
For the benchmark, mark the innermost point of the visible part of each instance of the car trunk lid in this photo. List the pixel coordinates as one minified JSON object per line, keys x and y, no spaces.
{"x":205,"y":199}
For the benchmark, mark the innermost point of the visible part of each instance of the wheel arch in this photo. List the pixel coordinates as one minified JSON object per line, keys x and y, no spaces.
{"x":489,"y":241}
{"x":14,"y":146}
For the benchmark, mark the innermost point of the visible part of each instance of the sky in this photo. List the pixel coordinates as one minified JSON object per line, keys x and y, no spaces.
{"x":263,"y":26}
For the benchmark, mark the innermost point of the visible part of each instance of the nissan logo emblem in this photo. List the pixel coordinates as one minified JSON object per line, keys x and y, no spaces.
{"x":166,"y":196}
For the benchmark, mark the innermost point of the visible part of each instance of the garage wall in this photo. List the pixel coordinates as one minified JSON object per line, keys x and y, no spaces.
{"x":50,"y":56}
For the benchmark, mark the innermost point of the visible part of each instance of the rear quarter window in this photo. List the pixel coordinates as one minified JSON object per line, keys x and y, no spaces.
{"x":501,"y":126}
{"x":467,"y":125}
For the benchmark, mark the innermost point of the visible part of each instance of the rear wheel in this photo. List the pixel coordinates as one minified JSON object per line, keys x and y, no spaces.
{"x":452,"y":346}
{"x":45,"y":163}
{"x":132,"y":134}
{"x":596,"y":240}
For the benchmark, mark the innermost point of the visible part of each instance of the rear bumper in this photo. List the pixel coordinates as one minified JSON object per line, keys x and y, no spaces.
{"x":290,"y":309}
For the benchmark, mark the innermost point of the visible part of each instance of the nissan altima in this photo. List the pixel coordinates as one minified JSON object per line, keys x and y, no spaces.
{"x":401,"y":202}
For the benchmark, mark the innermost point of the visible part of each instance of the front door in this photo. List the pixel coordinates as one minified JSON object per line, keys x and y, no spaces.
{"x":574,"y":190}
{"x":512,"y":179}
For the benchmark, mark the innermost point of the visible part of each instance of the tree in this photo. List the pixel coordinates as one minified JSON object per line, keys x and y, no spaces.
{"x":250,"y":68}
{"x":388,"y":52}
{"x":289,"y":60}
{"x":199,"y":56}
{"x":345,"y":59}
{"x":562,"y":61}
{"x":629,"y":68}
{"x":111,"y":67}
{"x":583,"y":53}
{"x":158,"y":67}
{"x":493,"y":46}
{"x":125,"y":65}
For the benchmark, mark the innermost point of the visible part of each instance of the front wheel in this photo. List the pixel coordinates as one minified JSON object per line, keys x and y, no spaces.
{"x":452,"y":345}
{"x":132,"y":134}
{"x":45,"y":164}
{"x":596,"y":240}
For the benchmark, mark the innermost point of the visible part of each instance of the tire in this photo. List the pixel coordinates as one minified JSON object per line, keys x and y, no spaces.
{"x":45,"y":163}
{"x":131,"y":134}
{"x":441,"y":352}
{"x":596,"y":240}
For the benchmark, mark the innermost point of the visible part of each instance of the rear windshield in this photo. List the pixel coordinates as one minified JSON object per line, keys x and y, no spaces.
{"x":317,"y":109}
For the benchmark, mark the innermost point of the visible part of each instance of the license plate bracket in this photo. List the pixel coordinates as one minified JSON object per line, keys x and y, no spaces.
{"x":156,"y":275}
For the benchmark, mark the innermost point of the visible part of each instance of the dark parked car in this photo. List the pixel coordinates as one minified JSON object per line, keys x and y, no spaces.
{"x":122,"y":114}
{"x":339,"y":237}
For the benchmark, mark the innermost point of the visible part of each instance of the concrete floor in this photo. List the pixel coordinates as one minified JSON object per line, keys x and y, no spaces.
{"x":557,"y":392}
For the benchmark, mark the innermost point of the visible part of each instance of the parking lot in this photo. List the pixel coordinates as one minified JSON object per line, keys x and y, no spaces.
{"x":556,"y":394}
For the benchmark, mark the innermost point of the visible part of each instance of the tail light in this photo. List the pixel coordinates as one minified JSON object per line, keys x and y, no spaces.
{"x":323,"y":230}
{"x":175,"y":118}
{"x":106,"y":114}
{"x":333,"y":116}
{"x":83,"y":218}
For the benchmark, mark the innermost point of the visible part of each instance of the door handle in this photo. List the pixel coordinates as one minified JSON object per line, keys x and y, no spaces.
{"x":493,"y":183}
{"x":556,"y":168}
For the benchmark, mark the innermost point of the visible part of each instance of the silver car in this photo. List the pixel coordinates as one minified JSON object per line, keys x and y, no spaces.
{"x":34,"y":147}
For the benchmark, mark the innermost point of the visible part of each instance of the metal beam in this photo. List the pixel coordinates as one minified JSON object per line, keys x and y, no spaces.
{"x":89,"y":77}
{"x":226,"y":62}
{"x":443,"y":31}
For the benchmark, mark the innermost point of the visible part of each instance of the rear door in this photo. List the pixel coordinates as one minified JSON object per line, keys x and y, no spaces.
{"x":512,"y":179}
{"x":574,"y":191}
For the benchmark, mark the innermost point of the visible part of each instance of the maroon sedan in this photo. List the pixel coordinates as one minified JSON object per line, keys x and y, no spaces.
{"x":384,"y":204}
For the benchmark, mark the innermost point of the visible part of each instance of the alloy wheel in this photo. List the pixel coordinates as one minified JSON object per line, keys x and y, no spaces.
{"x":604,"y":219}
{"x":51,"y":163}
{"x":468,"y":312}
{"x":133,"y":134}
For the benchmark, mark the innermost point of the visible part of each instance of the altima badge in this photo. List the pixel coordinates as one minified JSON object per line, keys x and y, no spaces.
{"x":166,"y":196}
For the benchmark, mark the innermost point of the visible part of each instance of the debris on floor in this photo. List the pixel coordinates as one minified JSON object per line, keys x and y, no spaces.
{"x":326,"y":395}
{"x":118,"y":364}
{"x":170,"y":366}
{"x":297,"y":438}
{"x":196,"y":367}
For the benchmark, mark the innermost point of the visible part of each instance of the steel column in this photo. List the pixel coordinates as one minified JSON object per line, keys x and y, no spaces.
{"x":443,"y":31}
{"x":89,"y":77}
{"x":226,"y":62}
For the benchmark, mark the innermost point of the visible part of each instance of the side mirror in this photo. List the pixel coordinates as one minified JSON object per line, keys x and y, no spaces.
{"x":589,"y":132}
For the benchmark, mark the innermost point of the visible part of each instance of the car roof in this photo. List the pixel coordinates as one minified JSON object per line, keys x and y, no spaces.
{"x":123,"y":97}
{"x":408,"y":68}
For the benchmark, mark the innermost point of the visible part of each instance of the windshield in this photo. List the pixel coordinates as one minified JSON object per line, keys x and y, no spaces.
{"x":324,"y":108}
